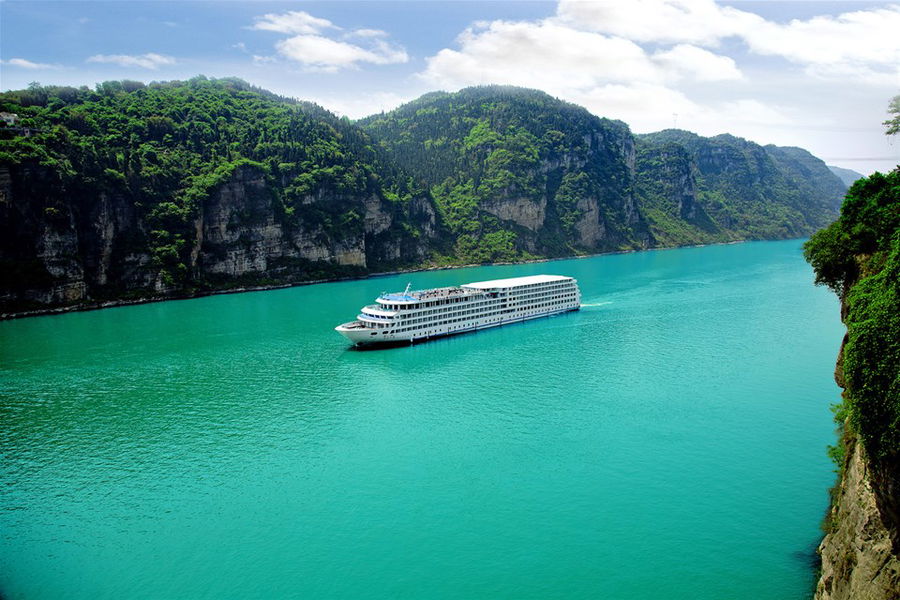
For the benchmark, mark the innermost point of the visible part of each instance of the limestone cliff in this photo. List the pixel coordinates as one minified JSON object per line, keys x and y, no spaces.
{"x":96,"y":250}
{"x":860,"y":553}
{"x":699,"y":190}
{"x":516,"y":172}
{"x":858,"y":558}
{"x":130,"y":192}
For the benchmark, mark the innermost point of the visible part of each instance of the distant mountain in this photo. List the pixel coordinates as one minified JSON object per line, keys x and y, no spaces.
{"x":516,"y":173}
{"x":695,"y":189}
{"x":549,"y":178}
{"x":848,"y":176}
{"x":130,"y":191}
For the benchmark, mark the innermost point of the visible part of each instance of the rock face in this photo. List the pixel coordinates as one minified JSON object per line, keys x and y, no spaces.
{"x":728,"y":188}
{"x":548,"y":175}
{"x":858,"y":559}
{"x":562,"y":181}
{"x":95,"y":250}
{"x":176,"y":206}
{"x":861,"y":551}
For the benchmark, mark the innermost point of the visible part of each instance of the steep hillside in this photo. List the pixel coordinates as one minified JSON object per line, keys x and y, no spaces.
{"x":515,"y":172}
{"x":858,"y":257}
{"x":848,"y":176}
{"x":178,"y":188}
{"x":545,"y":177}
{"x":168,"y":189}
{"x":727,"y":188}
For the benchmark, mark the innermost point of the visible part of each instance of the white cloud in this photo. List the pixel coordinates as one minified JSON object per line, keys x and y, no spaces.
{"x":295,"y":21}
{"x":364,"y":33}
{"x":668,"y":21}
{"x":866,"y":41}
{"x":312,"y":48}
{"x":28,"y":64}
{"x":543,"y":54}
{"x":325,"y":54}
{"x":863,"y":45}
{"x":151,"y":60}
{"x":700,"y":64}
{"x":550,"y":54}
{"x":609,"y":75}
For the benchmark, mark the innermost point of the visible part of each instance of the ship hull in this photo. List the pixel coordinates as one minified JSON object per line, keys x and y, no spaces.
{"x":362,"y":337}
{"x":425,"y":314}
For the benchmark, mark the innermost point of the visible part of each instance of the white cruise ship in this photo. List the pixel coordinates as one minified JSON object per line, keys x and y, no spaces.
{"x":417,"y":315}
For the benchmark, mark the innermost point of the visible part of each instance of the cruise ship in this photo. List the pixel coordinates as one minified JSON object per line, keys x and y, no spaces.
{"x":419,"y":315}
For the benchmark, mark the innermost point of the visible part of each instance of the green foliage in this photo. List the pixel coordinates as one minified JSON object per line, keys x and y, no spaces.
{"x":164,"y":148}
{"x":859,"y":257}
{"x":872,"y":357}
{"x":892,"y":125}
{"x":482,"y":147}
{"x":830,"y":254}
{"x":742,"y":190}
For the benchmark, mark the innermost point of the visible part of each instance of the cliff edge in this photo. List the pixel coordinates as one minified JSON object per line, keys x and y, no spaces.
{"x":858,"y":561}
{"x":858,"y":257}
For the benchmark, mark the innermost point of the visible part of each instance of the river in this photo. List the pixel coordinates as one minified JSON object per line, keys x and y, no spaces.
{"x":666,"y":441}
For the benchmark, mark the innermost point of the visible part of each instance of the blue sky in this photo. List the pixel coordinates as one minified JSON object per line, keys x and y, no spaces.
{"x":813,"y":74}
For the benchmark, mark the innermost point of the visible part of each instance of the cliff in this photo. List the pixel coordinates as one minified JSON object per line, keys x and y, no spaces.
{"x":549,"y":178}
{"x":132,"y":191}
{"x":516,"y":173}
{"x":858,"y":558}
{"x":858,"y":257}
{"x":732,"y":189}
{"x":101,"y":250}
{"x":152,"y":192}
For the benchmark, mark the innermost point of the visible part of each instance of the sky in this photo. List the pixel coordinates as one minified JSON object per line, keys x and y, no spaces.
{"x":818,"y":75}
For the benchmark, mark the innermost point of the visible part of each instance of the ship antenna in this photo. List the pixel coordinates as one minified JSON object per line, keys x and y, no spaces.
{"x":406,"y":291}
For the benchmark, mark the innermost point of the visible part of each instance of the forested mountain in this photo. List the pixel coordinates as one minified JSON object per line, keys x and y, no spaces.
{"x":858,"y":257}
{"x":727,"y":188}
{"x":171,"y":188}
{"x":133,"y":190}
{"x":516,"y":173}
{"x":848,"y":176}
{"x":549,"y":178}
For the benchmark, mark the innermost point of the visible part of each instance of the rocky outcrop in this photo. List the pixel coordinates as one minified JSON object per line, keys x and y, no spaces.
{"x":525,"y":212}
{"x":858,"y":558}
{"x":80,"y":253}
{"x":239,"y":232}
{"x":860,"y":552}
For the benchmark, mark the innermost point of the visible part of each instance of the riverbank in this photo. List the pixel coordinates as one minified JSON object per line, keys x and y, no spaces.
{"x":99,"y":305}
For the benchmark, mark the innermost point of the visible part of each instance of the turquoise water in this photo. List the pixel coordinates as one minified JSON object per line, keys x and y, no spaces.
{"x":667,"y":441}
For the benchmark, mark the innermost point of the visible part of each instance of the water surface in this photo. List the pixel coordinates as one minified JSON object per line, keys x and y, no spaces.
{"x":665,"y":441}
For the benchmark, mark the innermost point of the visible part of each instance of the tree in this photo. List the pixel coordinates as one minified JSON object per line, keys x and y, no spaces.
{"x":893,"y":124}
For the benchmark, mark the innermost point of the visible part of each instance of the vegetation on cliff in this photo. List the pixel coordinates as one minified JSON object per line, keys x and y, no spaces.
{"x":858,"y":257}
{"x":742,"y":190}
{"x":498,"y":143}
{"x":171,"y":188}
{"x":165,"y":147}
{"x":549,"y":162}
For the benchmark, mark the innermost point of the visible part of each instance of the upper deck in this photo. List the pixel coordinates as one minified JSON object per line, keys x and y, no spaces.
{"x":450,"y":295}
{"x":420,"y":296}
{"x":515,"y":282}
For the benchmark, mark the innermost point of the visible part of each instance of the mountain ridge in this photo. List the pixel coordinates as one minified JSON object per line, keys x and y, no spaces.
{"x":182,"y":188}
